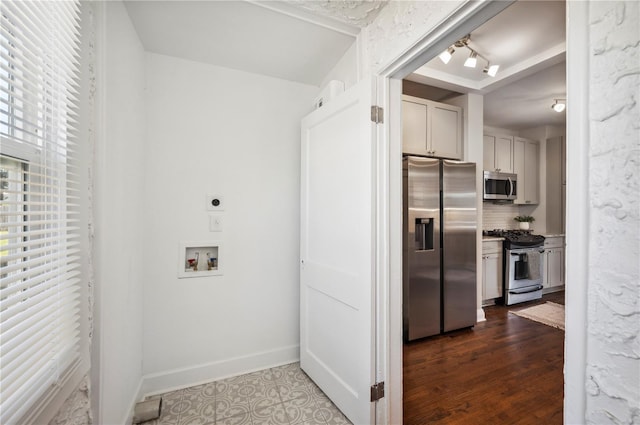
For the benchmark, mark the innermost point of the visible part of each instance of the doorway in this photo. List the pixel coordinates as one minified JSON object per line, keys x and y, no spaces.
{"x":461,"y":24}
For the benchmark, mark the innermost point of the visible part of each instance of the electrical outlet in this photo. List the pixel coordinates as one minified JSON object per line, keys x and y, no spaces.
{"x":215,"y":203}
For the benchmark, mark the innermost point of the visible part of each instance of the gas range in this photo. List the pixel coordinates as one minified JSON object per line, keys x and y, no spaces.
{"x":514,"y":239}
{"x":523,"y":265}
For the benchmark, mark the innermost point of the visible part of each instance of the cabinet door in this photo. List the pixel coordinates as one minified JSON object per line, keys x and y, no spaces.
{"x":488,"y":155}
{"x":525,"y":165}
{"x":491,"y":276}
{"x":445,"y":131}
{"x":519,"y":169}
{"x":531,"y":170}
{"x":504,"y":154}
{"x":555,"y":267}
{"x":414,"y":128}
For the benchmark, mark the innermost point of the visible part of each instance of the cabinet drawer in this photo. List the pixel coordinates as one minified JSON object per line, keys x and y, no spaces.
{"x":491,"y":247}
{"x":554,"y":242}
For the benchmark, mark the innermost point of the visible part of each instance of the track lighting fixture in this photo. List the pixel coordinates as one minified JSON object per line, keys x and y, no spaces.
{"x":472,"y":60}
{"x":559,"y":105}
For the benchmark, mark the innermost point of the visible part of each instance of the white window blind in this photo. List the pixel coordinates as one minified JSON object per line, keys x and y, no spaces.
{"x":39,"y":274}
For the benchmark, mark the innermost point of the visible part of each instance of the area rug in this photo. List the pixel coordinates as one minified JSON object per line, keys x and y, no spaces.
{"x":549,"y":313}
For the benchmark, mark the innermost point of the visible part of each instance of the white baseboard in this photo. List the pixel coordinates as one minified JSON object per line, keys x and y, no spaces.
{"x":171,"y":380}
{"x":480,"y":317}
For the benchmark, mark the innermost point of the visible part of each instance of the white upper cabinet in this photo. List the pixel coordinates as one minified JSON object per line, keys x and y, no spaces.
{"x":446,"y":131}
{"x":498,"y":153}
{"x":526,"y":155}
{"x":414,"y":127}
{"x":431,"y":128}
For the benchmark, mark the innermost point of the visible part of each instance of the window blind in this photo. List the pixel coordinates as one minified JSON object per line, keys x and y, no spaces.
{"x":39,"y":267}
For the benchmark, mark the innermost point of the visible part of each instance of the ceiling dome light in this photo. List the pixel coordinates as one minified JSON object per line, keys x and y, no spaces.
{"x":446,"y":55}
{"x":471,"y":60}
{"x":491,"y":70}
{"x":559,"y":105}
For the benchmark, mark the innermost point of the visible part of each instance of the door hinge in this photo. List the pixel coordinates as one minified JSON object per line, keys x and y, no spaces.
{"x":377,"y":391}
{"x":376,"y":114}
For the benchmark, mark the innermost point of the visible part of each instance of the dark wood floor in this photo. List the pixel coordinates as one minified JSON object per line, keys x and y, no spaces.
{"x":507,"y":370}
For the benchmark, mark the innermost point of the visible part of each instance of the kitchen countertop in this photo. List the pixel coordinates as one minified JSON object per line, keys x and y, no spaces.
{"x":496,"y":238}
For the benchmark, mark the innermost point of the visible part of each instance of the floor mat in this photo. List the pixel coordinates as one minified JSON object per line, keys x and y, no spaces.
{"x":549,"y":313}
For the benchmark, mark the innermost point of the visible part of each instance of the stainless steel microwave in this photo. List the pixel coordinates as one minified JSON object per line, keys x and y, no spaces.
{"x":500,"y":186}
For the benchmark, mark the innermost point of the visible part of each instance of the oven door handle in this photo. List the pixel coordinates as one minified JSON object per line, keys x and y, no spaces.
{"x":537,"y":288}
{"x":510,"y":188}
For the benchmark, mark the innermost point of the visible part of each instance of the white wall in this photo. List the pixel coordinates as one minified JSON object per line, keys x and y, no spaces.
{"x":346,"y":69}
{"x":540,"y":211}
{"x":613,"y":344}
{"x":118,"y":181}
{"x":213,"y":130}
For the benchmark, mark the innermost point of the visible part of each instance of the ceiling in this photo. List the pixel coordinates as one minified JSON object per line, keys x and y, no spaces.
{"x":302,"y":40}
{"x":295,"y":40}
{"x":527,"y":102}
{"x":527,"y":40}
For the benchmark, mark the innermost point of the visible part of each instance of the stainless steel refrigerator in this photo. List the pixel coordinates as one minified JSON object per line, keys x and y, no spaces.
{"x":439,"y":257}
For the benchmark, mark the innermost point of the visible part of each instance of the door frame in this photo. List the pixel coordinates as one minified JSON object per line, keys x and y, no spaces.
{"x":389,"y":223}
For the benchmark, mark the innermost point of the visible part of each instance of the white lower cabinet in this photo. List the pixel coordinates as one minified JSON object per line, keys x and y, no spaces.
{"x":553,"y":270}
{"x":491,"y":270}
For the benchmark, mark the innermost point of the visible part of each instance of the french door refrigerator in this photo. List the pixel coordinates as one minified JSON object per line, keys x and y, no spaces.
{"x":439,"y":256}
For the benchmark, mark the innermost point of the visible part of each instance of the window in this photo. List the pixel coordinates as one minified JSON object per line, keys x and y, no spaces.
{"x":39,"y":268}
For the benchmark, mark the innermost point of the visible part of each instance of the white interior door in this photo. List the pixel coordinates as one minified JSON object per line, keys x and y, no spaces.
{"x":337,"y":251}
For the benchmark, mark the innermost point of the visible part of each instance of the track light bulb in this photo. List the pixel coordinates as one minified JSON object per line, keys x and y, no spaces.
{"x":491,"y":70}
{"x":471,"y":60}
{"x":559,"y":105}
{"x":446,"y":55}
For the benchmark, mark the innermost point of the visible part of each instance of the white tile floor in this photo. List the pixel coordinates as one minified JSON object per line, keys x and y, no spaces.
{"x":281,"y":396}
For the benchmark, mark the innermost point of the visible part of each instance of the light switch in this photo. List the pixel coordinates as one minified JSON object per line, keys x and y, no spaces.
{"x":215,"y":223}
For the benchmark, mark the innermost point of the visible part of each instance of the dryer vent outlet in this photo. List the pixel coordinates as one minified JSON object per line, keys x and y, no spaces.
{"x":147,"y":410}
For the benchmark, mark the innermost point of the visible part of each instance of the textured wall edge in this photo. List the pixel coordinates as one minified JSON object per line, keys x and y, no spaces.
{"x":613,"y":339}
{"x":76,"y":410}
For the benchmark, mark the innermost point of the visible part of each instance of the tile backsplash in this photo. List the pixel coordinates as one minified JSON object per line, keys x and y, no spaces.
{"x":499,"y":216}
